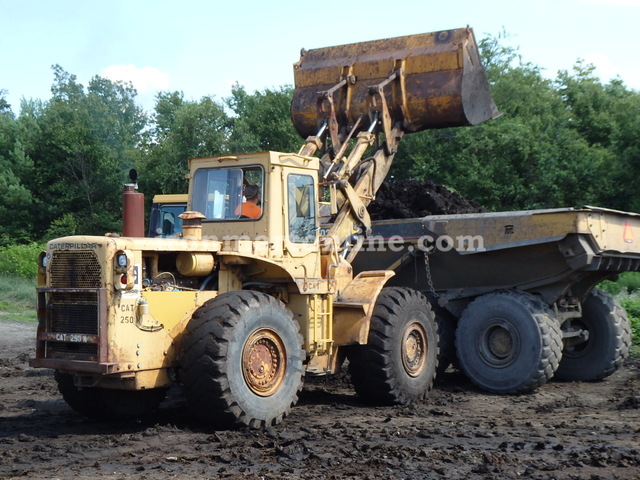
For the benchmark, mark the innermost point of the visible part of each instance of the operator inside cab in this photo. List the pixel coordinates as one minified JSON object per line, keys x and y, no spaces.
{"x":250,"y":206}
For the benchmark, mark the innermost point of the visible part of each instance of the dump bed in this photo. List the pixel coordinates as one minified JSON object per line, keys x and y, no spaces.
{"x":553,"y":253}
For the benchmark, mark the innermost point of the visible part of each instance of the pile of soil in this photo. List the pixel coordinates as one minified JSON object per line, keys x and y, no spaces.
{"x":415,"y":199}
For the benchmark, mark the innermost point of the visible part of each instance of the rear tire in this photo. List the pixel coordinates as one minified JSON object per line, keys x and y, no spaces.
{"x":508,"y":342}
{"x":107,"y":403}
{"x":607,"y":345}
{"x":242,"y":361}
{"x":398,"y":364}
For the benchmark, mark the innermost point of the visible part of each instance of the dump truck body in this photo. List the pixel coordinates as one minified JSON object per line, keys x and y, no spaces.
{"x":491,"y":275}
{"x":547,"y":252}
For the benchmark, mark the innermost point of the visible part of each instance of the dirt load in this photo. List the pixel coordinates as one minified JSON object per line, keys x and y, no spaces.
{"x":562,"y":431}
{"x":416,"y":199}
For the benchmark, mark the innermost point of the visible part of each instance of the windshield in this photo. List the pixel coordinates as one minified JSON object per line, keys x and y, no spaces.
{"x":165,"y":221}
{"x":228,"y":193}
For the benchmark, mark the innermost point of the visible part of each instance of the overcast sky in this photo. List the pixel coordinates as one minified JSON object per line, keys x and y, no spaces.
{"x":202,"y":47}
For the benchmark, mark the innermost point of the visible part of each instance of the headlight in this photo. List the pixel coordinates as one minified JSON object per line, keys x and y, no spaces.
{"x":121,"y":260}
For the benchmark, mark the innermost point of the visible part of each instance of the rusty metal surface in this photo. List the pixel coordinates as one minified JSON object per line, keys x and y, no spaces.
{"x":414,"y":349}
{"x":439,"y":82}
{"x":264,"y":362}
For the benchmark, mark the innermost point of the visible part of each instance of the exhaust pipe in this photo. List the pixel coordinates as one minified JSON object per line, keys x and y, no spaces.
{"x":132,"y":211}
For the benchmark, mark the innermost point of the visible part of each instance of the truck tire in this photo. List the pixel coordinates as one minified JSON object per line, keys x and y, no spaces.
{"x":446,"y":323}
{"x":607,"y":345}
{"x":508,"y":342}
{"x":241,"y":361}
{"x":398,"y":364}
{"x":106,"y":403}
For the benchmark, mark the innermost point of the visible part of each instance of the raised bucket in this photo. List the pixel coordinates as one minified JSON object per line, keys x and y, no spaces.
{"x":441,"y":82}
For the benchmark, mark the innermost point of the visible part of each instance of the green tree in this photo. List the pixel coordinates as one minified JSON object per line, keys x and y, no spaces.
{"x":87,"y":141}
{"x":262,"y":121}
{"x":530,"y":157}
{"x":606,"y":117}
{"x":15,"y":165}
{"x":5,"y":107}
{"x":181,"y":130}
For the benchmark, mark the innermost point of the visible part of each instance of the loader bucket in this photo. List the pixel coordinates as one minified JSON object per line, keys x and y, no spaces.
{"x":440,"y":82}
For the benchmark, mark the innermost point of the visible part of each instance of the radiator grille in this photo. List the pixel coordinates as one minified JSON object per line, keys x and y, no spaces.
{"x":73,"y":312}
{"x":75,"y":269}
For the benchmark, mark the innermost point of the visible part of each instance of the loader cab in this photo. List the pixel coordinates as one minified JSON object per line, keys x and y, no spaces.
{"x":266,"y":196}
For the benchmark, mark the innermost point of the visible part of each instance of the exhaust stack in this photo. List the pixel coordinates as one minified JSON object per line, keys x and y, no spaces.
{"x":132,"y":212}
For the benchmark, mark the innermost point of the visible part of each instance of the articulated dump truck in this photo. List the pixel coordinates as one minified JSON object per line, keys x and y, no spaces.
{"x":514,"y":291}
{"x":254,"y":295}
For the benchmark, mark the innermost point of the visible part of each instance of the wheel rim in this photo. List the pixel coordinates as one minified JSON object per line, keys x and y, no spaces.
{"x":264,"y":362}
{"x":576,"y":346}
{"x":414,"y":349}
{"x":498,"y":345}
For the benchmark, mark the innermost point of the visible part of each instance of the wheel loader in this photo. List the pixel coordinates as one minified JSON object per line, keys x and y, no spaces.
{"x":251,"y":298}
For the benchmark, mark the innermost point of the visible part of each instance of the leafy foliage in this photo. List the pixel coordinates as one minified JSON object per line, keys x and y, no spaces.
{"x":18,"y":296}
{"x":537,"y":154}
{"x":262,"y":121}
{"x":20,"y":260}
{"x":181,"y":130}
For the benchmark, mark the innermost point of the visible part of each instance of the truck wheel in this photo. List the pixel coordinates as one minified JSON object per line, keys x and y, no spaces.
{"x":606,"y":344}
{"x":107,"y":403}
{"x":508,"y":342}
{"x":446,"y":323}
{"x":242,"y":361}
{"x":398,"y":364}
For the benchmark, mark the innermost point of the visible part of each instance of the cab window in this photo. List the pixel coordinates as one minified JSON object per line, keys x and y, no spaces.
{"x":228,"y":193}
{"x":302,"y":208}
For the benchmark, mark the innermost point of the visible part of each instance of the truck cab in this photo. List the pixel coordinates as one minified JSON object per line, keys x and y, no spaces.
{"x":164,"y":219}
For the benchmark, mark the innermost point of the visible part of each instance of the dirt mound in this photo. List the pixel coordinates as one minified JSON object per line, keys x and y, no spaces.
{"x":414,"y":199}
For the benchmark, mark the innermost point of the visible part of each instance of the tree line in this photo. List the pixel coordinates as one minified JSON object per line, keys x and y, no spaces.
{"x":567,"y":141}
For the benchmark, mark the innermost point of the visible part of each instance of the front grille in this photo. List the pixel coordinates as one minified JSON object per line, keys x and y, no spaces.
{"x":75,"y":269}
{"x":73,"y":312}
{"x":74,"y":322}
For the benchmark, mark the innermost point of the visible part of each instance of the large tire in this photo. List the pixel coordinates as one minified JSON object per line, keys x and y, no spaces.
{"x":242,"y":361}
{"x":107,"y":403}
{"x":446,"y":323}
{"x":607,"y":344}
{"x":398,"y":364}
{"x":508,"y":342}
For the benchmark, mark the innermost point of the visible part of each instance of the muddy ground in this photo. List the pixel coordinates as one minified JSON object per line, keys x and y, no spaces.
{"x":562,"y":431}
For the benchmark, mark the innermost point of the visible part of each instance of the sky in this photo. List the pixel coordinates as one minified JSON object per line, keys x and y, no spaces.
{"x":203,"y":47}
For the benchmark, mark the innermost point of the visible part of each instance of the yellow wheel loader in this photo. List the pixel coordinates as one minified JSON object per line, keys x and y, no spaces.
{"x":254,"y":294}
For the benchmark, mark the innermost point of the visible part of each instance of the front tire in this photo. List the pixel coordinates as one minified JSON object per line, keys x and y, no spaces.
{"x":242,"y":361}
{"x":508,"y":342}
{"x":398,"y":364}
{"x":607,"y":343}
